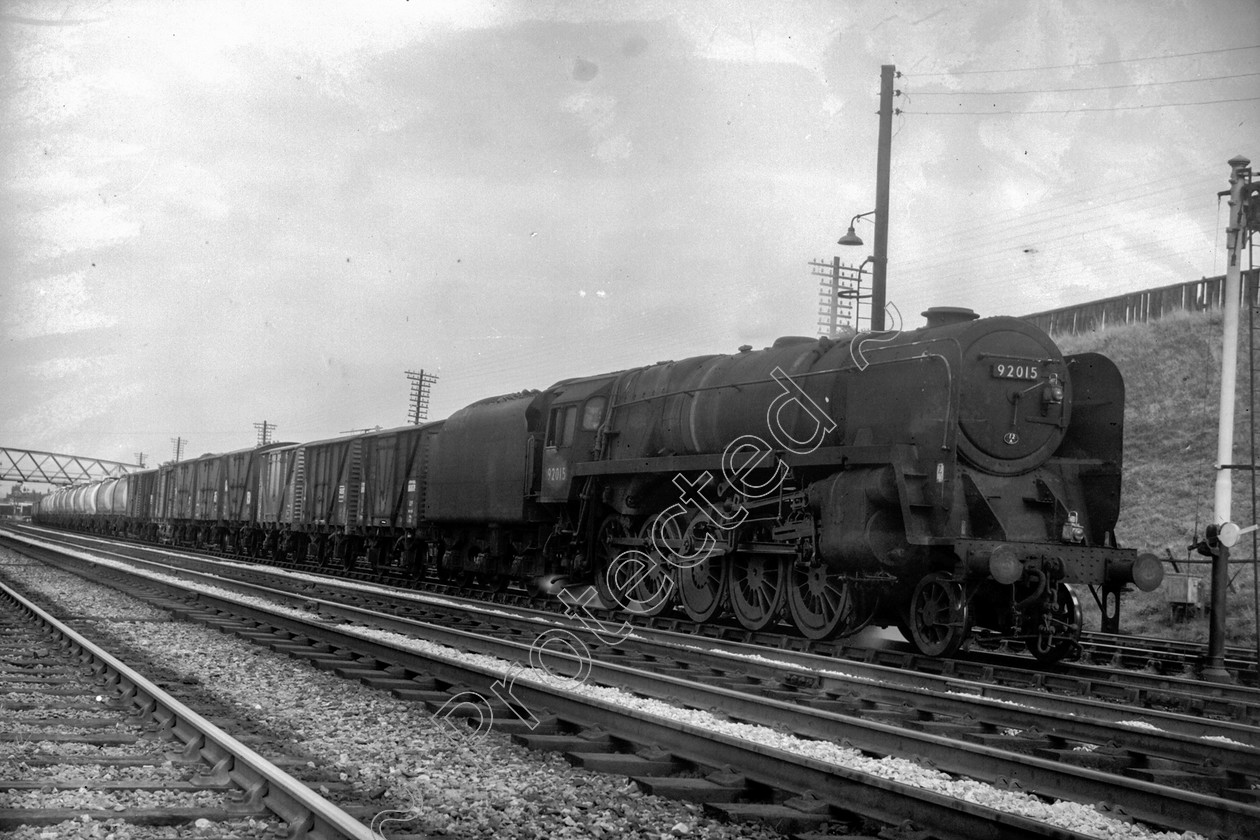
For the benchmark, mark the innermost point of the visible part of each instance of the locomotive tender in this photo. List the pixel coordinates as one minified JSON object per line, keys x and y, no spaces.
{"x":949,"y":479}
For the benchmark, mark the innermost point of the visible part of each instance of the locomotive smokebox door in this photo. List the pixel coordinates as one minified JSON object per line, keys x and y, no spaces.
{"x":1015,"y":397}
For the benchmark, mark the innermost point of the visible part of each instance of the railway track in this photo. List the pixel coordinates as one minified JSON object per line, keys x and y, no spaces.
{"x":1104,"y":679}
{"x":1103,"y":654}
{"x":1165,"y":656}
{"x":90,"y":740}
{"x":1171,"y":779}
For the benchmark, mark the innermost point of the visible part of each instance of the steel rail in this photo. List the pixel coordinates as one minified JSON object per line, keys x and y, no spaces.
{"x":1181,"y":738}
{"x":1161,"y":645}
{"x":1149,"y":802}
{"x":1154,"y":652}
{"x":276,"y":790}
{"x":980,"y":664}
{"x":1075,"y":718}
{"x":870,"y":796}
{"x":1006,"y":668}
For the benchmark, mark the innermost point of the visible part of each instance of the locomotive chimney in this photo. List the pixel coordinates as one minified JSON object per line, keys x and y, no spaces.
{"x":943,"y":316}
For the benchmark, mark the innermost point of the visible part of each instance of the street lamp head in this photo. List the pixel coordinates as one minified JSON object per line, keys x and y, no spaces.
{"x":850,"y":238}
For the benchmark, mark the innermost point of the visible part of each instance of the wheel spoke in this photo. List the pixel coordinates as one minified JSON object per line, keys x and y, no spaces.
{"x":756,"y":590}
{"x":701,"y":588}
{"x":939,"y":619}
{"x":822,"y":603}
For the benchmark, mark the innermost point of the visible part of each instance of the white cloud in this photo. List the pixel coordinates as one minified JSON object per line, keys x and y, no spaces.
{"x":76,"y":225}
{"x":599,"y":112}
{"x":52,"y":306}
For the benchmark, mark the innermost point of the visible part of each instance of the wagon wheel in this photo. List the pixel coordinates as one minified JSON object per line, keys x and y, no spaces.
{"x":410,"y":555}
{"x":939,"y":618}
{"x":701,"y":583}
{"x":330,"y":553}
{"x":443,"y":558}
{"x":314,"y":550}
{"x":756,"y":587}
{"x":1060,"y":632}
{"x":822,"y":604}
{"x":374,"y":553}
{"x":496,"y":582}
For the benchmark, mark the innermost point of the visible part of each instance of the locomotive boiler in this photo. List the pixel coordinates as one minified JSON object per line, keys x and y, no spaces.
{"x":960,"y":478}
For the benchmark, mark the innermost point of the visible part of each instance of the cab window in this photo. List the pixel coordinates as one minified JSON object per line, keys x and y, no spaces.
{"x":593,"y":413}
{"x":560,"y":428}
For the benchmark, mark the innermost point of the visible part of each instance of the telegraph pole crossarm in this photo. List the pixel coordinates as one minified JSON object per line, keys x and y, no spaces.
{"x":840,"y":295}
{"x":421,"y":386}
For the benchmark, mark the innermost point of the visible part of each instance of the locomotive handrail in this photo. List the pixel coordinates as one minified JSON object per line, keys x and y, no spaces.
{"x":823,"y":455}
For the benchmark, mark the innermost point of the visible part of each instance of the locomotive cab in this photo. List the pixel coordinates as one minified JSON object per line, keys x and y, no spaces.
{"x":574,"y":428}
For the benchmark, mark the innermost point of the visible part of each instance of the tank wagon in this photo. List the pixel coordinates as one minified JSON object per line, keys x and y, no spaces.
{"x":961,"y":477}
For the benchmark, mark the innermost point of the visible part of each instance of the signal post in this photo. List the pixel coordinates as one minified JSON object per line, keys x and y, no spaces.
{"x":1223,"y":533}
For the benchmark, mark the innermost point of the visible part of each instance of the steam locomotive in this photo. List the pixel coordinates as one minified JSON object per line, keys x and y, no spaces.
{"x":950,"y":480}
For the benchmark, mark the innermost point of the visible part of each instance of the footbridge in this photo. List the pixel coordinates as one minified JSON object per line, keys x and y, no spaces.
{"x":28,"y":465}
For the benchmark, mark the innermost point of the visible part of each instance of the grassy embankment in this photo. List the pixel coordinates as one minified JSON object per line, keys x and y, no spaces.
{"x":1172,"y":374}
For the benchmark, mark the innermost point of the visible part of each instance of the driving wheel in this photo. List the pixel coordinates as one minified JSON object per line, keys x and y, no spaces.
{"x":756,"y":588}
{"x":822,"y":604}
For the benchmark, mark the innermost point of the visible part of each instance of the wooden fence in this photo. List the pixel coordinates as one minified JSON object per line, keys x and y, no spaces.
{"x":1147,"y":305}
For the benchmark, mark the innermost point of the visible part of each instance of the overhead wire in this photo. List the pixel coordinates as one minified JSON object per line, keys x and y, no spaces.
{"x":996,"y":253}
{"x":1087,"y":63}
{"x":982,"y":238}
{"x":1065,"y":206}
{"x":1114,"y":255}
{"x":1080,"y":109}
{"x":1080,"y":89}
{"x":1150,"y":84}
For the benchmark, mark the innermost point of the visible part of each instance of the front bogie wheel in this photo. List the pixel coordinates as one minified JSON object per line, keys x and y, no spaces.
{"x":1059,"y":634}
{"x":939,"y":619}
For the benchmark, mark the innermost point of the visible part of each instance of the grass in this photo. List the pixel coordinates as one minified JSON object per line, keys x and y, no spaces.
{"x":1172,"y":375}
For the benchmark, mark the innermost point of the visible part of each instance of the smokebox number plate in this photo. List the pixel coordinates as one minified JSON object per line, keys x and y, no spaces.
{"x":1013,"y":370}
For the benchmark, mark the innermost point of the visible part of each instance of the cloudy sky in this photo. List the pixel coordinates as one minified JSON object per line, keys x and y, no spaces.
{"x":218,"y":213}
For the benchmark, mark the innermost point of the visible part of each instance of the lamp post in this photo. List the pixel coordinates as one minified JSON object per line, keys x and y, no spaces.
{"x":879,"y":259}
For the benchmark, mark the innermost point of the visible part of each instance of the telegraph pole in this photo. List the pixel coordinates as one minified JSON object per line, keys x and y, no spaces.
{"x":879,"y":261}
{"x":421,"y":383}
{"x":264,"y":430}
{"x":178,"y":443}
{"x":839,"y":296}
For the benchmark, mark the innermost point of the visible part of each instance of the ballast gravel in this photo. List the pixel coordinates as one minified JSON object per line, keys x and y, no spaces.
{"x":387,"y":751}
{"x":428,"y":792}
